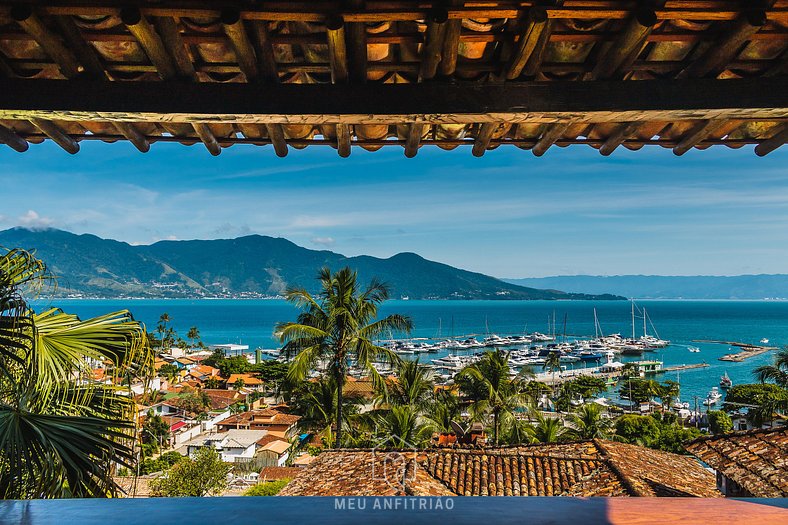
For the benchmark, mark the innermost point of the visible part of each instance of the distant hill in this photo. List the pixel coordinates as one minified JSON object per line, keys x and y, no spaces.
{"x":251,"y":266}
{"x":669,"y":287}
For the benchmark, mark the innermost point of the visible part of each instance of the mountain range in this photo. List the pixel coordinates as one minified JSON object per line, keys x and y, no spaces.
{"x":251,"y":266}
{"x":773,"y":286}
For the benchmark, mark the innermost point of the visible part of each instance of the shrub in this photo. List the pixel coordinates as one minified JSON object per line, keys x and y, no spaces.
{"x":267,"y":488}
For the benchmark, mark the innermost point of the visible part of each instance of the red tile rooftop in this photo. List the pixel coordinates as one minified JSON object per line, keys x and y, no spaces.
{"x":586,"y":468}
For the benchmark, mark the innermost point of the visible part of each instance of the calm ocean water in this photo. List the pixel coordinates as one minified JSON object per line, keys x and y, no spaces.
{"x":251,"y":322}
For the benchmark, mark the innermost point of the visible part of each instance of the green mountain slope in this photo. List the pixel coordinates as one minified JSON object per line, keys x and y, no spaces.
{"x":250,"y":266}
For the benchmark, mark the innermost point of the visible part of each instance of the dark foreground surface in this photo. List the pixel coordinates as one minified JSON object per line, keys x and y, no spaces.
{"x":410,"y":510}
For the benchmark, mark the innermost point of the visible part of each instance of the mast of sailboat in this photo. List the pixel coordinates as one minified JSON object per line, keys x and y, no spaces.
{"x":633,"y":319}
{"x":565,"y":316}
{"x":596,"y":325}
{"x":644,"y":322}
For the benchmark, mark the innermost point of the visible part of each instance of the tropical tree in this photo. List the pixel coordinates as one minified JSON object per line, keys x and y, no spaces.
{"x":164,"y":331}
{"x":777,"y":372}
{"x":61,"y":435}
{"x":552,"y":363}
{"x":501,"y":396}
{"x":589,"y":422}
{"x":239,"y":383}
{"x":401,"y":427}
{"x":213,"y":382}
{"x":203,"y":475}
{"x":339,"y":326}
{"x":169,"y":371}
{"x":412,"y":385}
{"x":155,"y":431}
{"x":547,"y":429}
{"x":719,"y":422}
{"x":316,"y":401}
{"x":193,"y":335}
{"x":668,"y":392}
{"x":444,"y":409}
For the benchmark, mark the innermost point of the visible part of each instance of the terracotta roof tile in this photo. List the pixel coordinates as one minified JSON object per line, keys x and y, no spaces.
{"x":275,"y":473}
{"x":757,"y":459}
{"x":588,"y":468}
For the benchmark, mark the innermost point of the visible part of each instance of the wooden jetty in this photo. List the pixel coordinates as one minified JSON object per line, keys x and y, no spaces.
{"x":679,"y":368}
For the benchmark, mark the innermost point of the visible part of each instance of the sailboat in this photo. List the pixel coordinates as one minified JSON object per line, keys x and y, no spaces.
{"x":725,"y":382}
{"x":651,"y":341}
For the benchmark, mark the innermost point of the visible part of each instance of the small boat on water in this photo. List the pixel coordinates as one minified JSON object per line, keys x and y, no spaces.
{"x":693,"y":349}
{"x":713,"y":397}
{"x":725,"y":382}
{"x":765,"y":341}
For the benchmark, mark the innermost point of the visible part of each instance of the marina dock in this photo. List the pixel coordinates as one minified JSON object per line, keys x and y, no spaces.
{"x":680,"y":368}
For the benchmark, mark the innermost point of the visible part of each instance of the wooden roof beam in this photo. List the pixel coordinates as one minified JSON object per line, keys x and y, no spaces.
{"x":357,"y":37}
{"x":432,"y":102}
{"x":413,"y":140}
{"x":85,"y":53}
{"x":774,"y":142}
{"x":337,"y":50}
{"x":618,"y":136}
{"x":535,"y":25}
{"x":727,"y":48}
{"x":265,"y":52}
{"x":451,"y":43}
{"x":343,"y":140}
{"x":12,"y":140}
{"x":698,"y":133}
{"x":277,"y":135}
{"x":53,"y":131}
{"x":549,"y":137}
{"x":133,"y":135}
{"x":239,"y":39}
{"x":207,"y":138}
{"x":433,"y":43}
{"x":623,"y":52}
{"x":49,"y":42}
{"x":483,"y":137}
{"x":150,"y":41}
{"x":171,"y":37}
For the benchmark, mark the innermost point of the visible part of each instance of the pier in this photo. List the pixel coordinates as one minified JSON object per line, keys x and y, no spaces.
{"x":680,"y":368}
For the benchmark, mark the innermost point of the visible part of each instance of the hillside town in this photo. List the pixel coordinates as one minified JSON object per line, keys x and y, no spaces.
{"x":272,"y":435}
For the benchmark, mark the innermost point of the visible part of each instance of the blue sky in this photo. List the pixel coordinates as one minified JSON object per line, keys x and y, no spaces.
{"x":508,"y":214}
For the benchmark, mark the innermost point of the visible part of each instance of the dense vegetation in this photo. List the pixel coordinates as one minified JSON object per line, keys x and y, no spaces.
{"x":60,"y":436}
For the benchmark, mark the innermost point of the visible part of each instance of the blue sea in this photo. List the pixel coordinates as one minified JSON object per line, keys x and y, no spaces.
{"x":251,"y":322}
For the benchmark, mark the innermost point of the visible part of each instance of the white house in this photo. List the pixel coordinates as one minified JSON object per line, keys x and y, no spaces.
{"x":233,"y":445}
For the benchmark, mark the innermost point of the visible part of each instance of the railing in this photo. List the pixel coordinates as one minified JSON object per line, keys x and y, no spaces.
{"x":394,"y":510}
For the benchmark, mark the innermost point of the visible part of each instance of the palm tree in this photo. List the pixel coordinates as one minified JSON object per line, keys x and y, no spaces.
{"x":59,"y":434}
{"x":162,"y":328}
{"x":588,"y":422}
{"x":193,"y":334}
{"x":444,"y":409}
{"x":413,"y":385}
{"x":547,"y":429}
{"x":400,"y":427}
{"x":315,"y":402}
{"x":778,"y":372}
{"x":552,"y":364}
{"x":339,"y":326}
{"x":501,"y":395}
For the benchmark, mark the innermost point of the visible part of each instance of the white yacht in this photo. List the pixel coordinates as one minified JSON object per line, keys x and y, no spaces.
{"x":713,"y":397}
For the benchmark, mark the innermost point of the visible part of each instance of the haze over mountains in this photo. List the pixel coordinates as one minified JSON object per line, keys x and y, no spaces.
{"x":669,"y":287}
{"x":250,"y":266}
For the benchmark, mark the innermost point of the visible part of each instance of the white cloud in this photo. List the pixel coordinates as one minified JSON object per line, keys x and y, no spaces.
{"x":32,"y":219}
{"x":328,"y":242}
